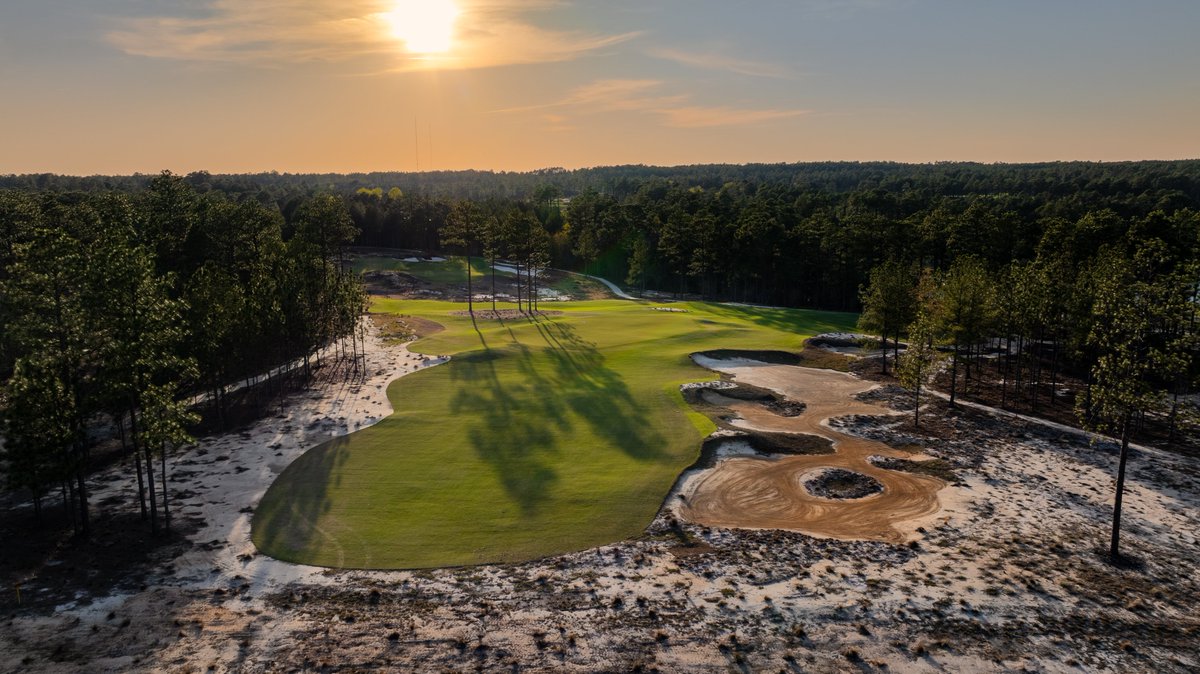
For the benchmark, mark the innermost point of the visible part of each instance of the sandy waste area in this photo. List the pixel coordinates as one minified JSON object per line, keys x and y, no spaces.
{"x":997,"y":570}
{"x":769,"y":493}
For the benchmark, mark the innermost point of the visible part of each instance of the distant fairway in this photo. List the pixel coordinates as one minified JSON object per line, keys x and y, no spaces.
{"x":539,"y":437}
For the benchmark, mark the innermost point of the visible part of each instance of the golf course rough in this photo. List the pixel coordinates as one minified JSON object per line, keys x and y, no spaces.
{"x":540,"y":436}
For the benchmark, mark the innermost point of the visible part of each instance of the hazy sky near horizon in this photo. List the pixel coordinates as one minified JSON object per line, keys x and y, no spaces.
{"x":123,"y":86}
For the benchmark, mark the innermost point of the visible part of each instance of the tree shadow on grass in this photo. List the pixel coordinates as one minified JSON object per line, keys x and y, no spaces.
{"x":786,"y":320}
{"x":519,"y":400}
{"x":286,"y":524}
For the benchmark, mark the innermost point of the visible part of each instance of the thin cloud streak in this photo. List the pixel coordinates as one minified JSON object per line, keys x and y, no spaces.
{"x":713,"y":61}
{"x":275,"y":33}
{"x":641,"y":95}
{"x":697,"y":117}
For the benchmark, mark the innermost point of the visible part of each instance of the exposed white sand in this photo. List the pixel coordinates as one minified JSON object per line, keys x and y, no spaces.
{"x":1006,"y":579}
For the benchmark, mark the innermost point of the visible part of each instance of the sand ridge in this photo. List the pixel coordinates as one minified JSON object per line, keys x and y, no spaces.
{"x":768,"y":492}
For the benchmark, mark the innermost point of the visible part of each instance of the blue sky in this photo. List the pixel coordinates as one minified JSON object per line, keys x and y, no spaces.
{"x":118,"y":86}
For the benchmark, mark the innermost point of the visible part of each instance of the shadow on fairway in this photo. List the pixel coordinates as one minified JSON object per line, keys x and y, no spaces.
{"x":286,"y":524}
{"x":786,"y":320}
{"x":515,"y":421}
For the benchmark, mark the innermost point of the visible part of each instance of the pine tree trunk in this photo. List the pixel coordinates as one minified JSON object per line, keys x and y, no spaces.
{"x":917,"y":406}
{"x":470,"y":292}
{"x":166,"y":509}
{"x":68,"y":499}
{"x":520,"y":307}
{"x":84,"y":520}
{"x":883,"y":371}
{"x":1114,"y":549}
{"x":153,"y":497}
{"x":953,"y":375}
{"x":1037,"y":369}
{"x":137,"y":461}
{"x":1053,"y":372}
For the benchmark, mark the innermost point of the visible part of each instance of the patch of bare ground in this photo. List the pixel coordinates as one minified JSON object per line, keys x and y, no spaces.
{"x":812,"y":356}
{"x":994,"y":382}
{"x":398,"y":328}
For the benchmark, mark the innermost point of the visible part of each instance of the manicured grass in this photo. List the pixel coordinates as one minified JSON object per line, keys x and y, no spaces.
{"x":539,"y":437}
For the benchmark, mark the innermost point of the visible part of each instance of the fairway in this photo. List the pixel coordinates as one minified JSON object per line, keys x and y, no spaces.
{"x":539,"y":437}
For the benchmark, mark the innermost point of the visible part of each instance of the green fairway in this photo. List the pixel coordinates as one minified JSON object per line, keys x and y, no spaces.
{"x":539,"y":437}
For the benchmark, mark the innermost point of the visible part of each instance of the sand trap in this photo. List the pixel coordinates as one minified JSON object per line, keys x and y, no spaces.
{"x":768,"y":493}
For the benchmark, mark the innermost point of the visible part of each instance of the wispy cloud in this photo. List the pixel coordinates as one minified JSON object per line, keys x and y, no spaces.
{"x":717,"y":61}
{"x":645,"y":96}
{"x":694,"y":117}
{"x":488,"y":33}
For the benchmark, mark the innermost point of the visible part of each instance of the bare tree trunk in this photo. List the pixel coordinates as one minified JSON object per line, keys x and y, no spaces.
{"x":917,"y":406}
{"x":1054,"y":372}
{"x":520,"y":307}
{"x":1114,"y":551}
{"x":68,"y":499}
{"x":163,"y":472}
{"x":883,"y":370}
{"x":953,"y":375}
{"x":137,"y":462}
{"x":153,"y":498}
{"x":84,"y":523}
{"x":1037,"y":369}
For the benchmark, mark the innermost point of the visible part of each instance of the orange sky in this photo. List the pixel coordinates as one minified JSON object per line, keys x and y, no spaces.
{"x":309,"y":85}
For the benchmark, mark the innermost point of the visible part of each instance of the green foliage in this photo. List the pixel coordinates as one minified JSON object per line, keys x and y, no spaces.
{"x":111,"y":302}
{"x":919,"y":362}
{"x":889,"y":301}
{"x":1130,"y":354}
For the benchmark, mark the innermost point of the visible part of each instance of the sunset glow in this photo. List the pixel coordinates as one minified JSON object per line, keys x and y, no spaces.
{"x":527,"y":84}
{"x":425,"y":26}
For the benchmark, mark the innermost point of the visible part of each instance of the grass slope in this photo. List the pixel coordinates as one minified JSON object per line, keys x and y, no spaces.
{"x":539,"y":437}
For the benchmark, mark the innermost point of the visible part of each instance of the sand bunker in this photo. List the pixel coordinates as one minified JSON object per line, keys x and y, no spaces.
{"x":769,"y":493}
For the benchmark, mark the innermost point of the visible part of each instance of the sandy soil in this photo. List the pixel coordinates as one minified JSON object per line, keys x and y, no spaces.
{"x":769,"y":493}
{"x":1005,"y":578}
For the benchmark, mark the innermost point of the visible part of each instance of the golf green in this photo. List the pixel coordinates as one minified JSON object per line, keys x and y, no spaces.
{"x":540,"y":436}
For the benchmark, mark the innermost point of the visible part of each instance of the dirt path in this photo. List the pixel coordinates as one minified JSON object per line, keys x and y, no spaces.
{"x":768,"y":493}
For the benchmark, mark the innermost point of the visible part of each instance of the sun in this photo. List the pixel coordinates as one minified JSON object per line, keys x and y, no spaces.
{"x":425,"y":26}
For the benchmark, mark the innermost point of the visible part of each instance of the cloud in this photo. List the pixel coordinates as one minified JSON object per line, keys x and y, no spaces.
{"x":643,"y":96}
{"x":714,"y":61}
{"x":695,"y":117}
{"x":612,"y":95}
{"x":488,"y":33}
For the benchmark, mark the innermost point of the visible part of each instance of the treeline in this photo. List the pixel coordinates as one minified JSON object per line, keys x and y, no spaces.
{"x":809,"y":235}
{"x":133,"y":307}
{"x":1046,"y":180}
{"x":782,"y":234}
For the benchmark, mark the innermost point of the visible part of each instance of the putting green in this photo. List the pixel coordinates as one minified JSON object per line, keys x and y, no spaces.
{"x":539,"y":437}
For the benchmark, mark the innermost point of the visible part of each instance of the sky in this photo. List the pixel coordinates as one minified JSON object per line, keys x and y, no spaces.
{"x":238,"y":86}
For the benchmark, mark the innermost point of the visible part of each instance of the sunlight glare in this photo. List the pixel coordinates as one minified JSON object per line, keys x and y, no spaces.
{"x":425,"y":26}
